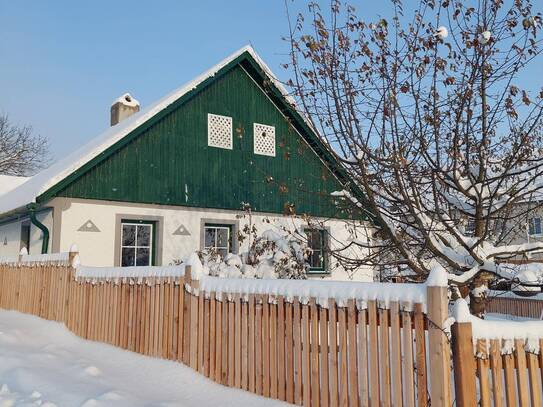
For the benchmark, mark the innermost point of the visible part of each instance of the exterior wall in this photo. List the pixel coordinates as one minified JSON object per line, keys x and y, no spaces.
{"x":10,"y":238}
{"x":519,"y":227}
{"x":97,"y":248}
{"x":10,"y":233}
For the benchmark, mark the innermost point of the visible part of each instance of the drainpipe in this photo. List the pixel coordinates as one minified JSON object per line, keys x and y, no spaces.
{"x":45,"y":238}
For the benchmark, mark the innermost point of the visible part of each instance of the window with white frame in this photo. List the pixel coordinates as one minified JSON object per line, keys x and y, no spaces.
{"x":264,"y":139}
{"x":218,"y":238}
{"x":137,"y":248}
{"x":316,"y":241}
{"x":219,"y":131}
{"x":534,"y":226}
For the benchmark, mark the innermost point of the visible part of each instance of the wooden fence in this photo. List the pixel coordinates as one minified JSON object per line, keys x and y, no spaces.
{"x":521,"y":307}
{"x":492,"y":377}
{"x":302,"y":353}
{"x":307,"y":351}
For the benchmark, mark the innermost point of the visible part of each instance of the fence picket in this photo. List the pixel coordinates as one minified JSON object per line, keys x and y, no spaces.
{"x":384,"y":357}
{"x":534,"y":375}
{"x":420,"y":341}
{"x":258,"y":345}
{"x":297,"y":335}
{"x":496,"y":371}
{"x":352,"y":353}
{"x":324,"y":356}
{"x":483,"y":372}
{"x":306,"y":356}
{"x":281,"y":365}
{"x":395,"y":354}
{"x":375,"y":393}
{"x":510,"y":384}
{"x":363,"y":358}
{"x":289,"y":361}
{"x":522,"y":378}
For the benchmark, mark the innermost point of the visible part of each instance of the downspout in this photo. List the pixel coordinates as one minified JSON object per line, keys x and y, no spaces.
{"x":45,"y":238}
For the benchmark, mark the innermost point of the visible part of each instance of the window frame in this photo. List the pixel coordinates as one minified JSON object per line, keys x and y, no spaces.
{"x":233,"y":223}
{"x":325,"y":234}
{"x":218,"y":226}
{"x":152,"y":241}
{"x":532,"y":226}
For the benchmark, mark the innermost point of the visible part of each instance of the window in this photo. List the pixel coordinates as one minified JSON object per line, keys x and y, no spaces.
{"x":137,"y":243}
{"x":219,"y":131}
{"x":25,"y":235}
{"x":264,"y":139}
{"x":316,"y":240}
{"x":219,"y":238}
{"x":534,"y":226}
{"x":469,"y":229}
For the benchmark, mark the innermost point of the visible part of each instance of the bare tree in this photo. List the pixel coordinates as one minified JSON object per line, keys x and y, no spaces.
{"x":21,"y":151}
{"x":441,"y":142}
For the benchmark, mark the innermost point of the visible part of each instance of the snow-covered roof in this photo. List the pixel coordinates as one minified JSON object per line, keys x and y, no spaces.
{"x":10,"y":182}
{"x":43,"y":181}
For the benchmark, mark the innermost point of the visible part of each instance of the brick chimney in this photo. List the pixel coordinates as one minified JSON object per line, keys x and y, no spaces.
{"x":123,"y":107}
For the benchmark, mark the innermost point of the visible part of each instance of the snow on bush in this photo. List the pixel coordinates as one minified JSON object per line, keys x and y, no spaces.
{"x":274,"y":254}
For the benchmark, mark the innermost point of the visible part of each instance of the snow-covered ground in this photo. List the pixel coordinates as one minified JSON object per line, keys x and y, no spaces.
{"x":42,"y":363}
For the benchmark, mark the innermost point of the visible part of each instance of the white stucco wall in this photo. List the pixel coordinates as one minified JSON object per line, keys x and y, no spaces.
{"x":98,"y":248}
{"x":10,"y":235}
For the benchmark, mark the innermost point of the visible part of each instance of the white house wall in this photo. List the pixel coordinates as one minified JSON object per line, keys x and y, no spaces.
{"x":10,"y":235}
{"x":97,"y":245}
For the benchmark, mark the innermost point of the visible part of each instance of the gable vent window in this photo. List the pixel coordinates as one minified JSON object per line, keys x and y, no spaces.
{"x":264,"y":139}
{"x":219,"y":131}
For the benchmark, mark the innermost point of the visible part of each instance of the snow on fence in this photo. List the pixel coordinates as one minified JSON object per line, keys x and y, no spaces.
{"x":305,"y":342}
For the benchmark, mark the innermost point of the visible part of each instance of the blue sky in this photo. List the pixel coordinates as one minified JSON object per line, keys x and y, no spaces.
{"x":62,"y":62}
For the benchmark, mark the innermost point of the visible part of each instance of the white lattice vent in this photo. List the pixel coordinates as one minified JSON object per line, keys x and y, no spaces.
{"x":219,"y":131}
{"x":264,"y":139}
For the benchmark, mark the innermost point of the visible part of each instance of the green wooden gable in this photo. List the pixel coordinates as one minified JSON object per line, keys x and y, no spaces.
{"x":167,"y":160}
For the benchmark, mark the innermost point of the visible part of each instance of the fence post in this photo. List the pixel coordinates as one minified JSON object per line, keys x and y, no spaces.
{"x":193,"y":326}
{"x":464,"y":365}
{"x":71,"y":255}
{"x":438,"y":346}
{"x":22,"y":252}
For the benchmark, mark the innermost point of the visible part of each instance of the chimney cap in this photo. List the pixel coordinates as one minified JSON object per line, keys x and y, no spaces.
{"x":127,"y":99}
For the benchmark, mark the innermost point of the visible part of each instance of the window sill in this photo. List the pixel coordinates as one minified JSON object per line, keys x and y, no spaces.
{"x":318,"y":273}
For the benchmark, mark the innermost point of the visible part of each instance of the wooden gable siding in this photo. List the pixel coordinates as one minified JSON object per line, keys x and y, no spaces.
{"x":171,"y":163}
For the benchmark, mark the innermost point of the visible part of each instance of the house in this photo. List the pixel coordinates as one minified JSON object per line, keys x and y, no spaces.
{"x":170,"y":179}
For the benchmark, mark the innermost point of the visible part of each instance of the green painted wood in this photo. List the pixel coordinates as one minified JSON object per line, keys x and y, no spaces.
{"x":170,"y":163}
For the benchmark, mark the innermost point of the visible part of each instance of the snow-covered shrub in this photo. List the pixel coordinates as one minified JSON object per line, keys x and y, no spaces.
{"x":272,"y":255}
{"x":279,"y":255}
